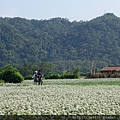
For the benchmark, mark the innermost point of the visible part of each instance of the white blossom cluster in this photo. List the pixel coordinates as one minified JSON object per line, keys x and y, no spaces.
{"x":59,"y":99}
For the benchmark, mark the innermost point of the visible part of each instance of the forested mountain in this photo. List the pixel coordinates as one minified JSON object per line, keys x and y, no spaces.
{"x":65,"y":44}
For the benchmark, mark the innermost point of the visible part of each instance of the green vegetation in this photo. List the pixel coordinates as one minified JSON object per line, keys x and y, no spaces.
{"x":10,"y":75}
{"x":84,"y":82}
{"x":2,"y":81}
{"x":63,"y":44}
{"x":65,"y":75}
{"x":71,"y":82}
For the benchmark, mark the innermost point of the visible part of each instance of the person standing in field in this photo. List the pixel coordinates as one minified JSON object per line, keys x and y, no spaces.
{"x":35,"y":78}
{"x":39,"y":77}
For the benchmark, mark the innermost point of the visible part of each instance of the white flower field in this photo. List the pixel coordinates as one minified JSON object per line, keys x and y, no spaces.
{"x":61,"y":97}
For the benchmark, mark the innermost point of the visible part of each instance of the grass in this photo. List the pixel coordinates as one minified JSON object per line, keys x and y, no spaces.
{"x":94,"y":84}
{"x":78,"y":82}
{"x":83,"y":82}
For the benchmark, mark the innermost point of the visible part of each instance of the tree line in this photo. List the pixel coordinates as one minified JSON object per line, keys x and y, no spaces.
{"x":10,"y":74}
{"x":66,"y":45}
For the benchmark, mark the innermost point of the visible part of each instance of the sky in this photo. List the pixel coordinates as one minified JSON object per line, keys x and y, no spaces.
{"x":71,"y":9}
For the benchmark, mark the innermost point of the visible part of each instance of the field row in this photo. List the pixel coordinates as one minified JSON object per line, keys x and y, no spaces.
{"x":53,"y":99}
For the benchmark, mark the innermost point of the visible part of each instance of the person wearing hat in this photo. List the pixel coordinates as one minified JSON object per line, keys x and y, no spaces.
{"x":35,"y":78}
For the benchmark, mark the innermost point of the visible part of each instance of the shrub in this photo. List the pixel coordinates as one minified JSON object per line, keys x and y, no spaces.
{"x":53,"y":76}
{"x":28,"y":77}
{"x":12,"y":76}
{"x":68,"y":76}
{"x":1,"y":81}
{"x":63,"y":76}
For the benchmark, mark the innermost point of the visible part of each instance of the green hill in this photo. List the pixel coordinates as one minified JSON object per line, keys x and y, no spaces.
{"x":65,"y":44}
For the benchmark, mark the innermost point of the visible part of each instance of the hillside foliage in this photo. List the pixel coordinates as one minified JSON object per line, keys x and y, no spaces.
{"x":66,"y":45}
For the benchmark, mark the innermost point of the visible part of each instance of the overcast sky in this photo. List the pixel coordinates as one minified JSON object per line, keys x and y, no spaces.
{"x":47,"y":9}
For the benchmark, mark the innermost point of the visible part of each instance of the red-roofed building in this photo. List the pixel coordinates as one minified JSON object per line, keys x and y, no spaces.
{"x":111,"y":70}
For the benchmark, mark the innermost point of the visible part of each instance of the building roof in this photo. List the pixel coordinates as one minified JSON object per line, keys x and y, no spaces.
{"x":110,"y":68}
